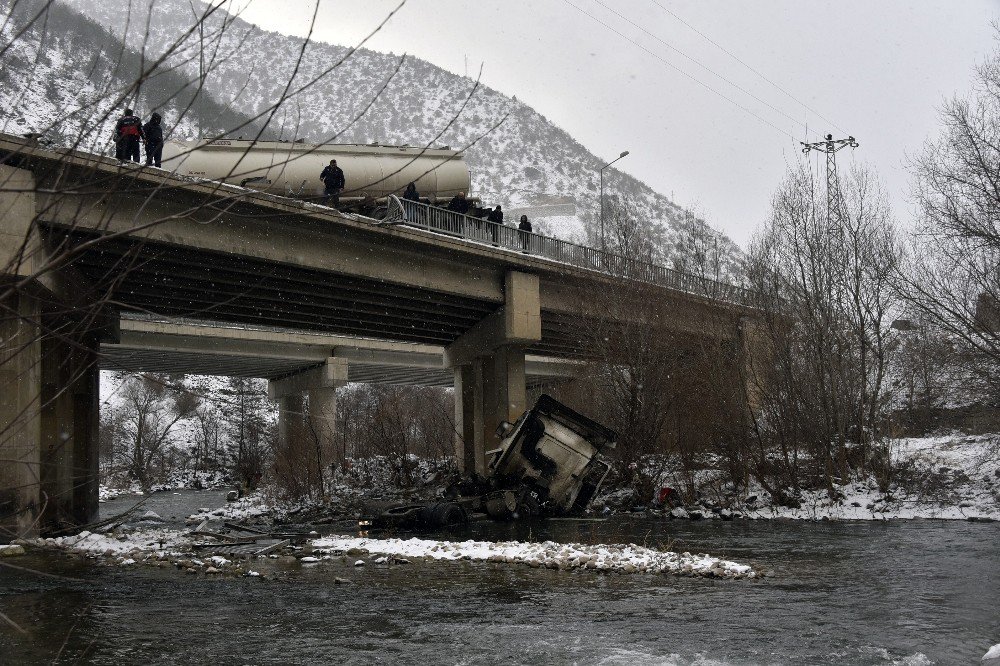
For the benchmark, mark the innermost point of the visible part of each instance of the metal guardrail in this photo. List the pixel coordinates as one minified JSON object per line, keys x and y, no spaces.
{"x":443,"y":221}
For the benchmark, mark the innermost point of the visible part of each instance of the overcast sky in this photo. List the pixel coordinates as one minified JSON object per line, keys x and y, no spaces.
{"x":641,"y":78}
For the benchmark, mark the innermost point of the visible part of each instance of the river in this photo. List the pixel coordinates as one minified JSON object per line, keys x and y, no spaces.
{"x":904,"y":592}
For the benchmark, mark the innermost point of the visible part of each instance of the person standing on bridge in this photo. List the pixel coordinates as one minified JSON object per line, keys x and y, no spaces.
{"x":524,"y":231}
{"x":411,"y":193}
{"x":333,"y":182}
{"x":459,"y":204}
{"x":495,"y":217}
{"x":153,"y":134}
{"x":128,"y":133}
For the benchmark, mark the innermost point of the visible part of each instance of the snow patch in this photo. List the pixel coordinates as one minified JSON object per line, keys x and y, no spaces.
{"x":623,"y":558}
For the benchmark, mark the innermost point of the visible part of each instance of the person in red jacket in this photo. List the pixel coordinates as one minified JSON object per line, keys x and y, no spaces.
{"x":128,"y":135}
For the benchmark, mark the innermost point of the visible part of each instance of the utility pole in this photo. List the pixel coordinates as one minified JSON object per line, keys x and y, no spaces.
{"x":830,"y":146}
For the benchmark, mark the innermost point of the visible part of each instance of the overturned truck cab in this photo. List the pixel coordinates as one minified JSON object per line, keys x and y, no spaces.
{"x":548,"y":464}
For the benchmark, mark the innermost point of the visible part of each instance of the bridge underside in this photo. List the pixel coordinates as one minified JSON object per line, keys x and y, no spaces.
{"x":163,"y":280}
{"x":185,"y":347}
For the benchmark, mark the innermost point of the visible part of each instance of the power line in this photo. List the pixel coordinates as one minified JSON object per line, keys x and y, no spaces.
{"x":700,"y":64}
{"x":749,"y":67}
{"x":682,"y":72}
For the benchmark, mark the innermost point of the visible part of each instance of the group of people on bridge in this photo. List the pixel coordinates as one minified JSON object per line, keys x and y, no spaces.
{"x":130,"y":132}
{"x":334,"y":181}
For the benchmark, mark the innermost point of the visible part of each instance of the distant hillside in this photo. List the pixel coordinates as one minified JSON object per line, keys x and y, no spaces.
{"x":527,"y":163}
{"x":65,"y":75}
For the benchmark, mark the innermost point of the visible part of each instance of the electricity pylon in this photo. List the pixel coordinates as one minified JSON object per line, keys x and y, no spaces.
{"x":830,"y":146}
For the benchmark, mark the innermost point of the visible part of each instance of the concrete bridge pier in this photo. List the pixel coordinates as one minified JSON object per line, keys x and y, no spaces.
{"x":320,"y":384}
{"x":50,"y":332}
{"x":489,"y":365}
{"x":49,"y":415}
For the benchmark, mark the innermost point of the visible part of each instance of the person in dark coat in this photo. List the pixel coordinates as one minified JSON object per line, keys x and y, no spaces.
{"x":411,"y":193}
{"x":459,"y":204}
{"x":128,"y":134}
{"x":153,"y":134}
{"x":333,"y":182}
{"x":524,"y":231}
{"x":495,"y":217}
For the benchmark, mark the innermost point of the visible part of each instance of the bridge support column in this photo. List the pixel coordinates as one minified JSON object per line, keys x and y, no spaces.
{"x":504,"y":392}
{"x":754,"y":356}
{"x":49,"y":414}
{"x":469,"y":449}
{"x":70,"y":422}
{"x":49,"y":404}
{"x":319,"y":421}
{"x":20,"y":416}
{"x":291,"y":410}
{"x":323,"y":416}
{"x":490,"y":370}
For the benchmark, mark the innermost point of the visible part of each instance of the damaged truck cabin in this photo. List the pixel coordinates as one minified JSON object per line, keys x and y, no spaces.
{"x":548,"y":464}
{"x":549,"y":461}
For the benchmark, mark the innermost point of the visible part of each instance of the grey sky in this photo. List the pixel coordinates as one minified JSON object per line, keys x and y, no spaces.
{"x":877,"y":70}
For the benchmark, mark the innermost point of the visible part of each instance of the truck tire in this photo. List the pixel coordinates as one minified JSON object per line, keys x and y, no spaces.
{"x":443,"y":514}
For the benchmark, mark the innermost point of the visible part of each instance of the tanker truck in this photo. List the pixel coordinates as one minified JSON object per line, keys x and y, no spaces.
{"x":291,"y":169}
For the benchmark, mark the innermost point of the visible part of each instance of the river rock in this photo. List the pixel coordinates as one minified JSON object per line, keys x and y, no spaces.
{"x":11,"y":550}
{"x":679,"y":512}
{"x":232,"y":496}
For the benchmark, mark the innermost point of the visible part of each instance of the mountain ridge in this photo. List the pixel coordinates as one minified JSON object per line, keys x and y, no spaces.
{"x":527,"y":164}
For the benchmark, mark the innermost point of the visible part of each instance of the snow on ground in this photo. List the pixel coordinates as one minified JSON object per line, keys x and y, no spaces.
{"x":948,"y":477}
{"x":255,"y":505}
{"x":147,"y":542}
{"x":196,"y":479}
{"x":619,"y":558}
{"x":157,"y":545}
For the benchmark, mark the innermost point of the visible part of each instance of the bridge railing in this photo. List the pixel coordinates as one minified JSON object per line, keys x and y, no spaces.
{"x":441,"y":220}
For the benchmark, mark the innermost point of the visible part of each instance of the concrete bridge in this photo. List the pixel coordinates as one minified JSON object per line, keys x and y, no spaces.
{"x":84,"y":240}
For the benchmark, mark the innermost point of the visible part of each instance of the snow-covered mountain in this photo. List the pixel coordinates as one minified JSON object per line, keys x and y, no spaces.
{"x":64,"y":75}
{"x":89,"y":51}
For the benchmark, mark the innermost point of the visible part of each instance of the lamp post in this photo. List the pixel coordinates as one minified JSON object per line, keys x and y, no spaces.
{"x":624,"y":153}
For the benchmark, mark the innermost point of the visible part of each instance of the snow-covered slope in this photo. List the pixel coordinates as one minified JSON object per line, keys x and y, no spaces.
{"x":67,"y":77}
{"x":527,"y":162}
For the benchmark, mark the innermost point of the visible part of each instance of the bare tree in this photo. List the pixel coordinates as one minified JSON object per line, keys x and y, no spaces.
{"x":953,"y":279}
{"x":249,"y":431}
{"x":825,"y":277}
{"x":149,"y":413}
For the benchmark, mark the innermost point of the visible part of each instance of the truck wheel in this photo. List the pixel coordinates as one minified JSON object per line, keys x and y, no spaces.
{"x":443,"y":514}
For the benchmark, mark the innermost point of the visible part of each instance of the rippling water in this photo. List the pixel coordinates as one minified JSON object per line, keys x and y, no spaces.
{"x":914,"y":592}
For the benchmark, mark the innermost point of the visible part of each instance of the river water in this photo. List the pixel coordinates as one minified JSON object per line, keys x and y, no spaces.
{"x":916,"y":592}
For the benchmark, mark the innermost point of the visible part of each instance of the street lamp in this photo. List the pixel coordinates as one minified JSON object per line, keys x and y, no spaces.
{"x":624,"y":153}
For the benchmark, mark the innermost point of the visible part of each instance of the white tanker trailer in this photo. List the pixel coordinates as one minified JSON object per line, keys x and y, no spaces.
{"x":371,"y":172}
